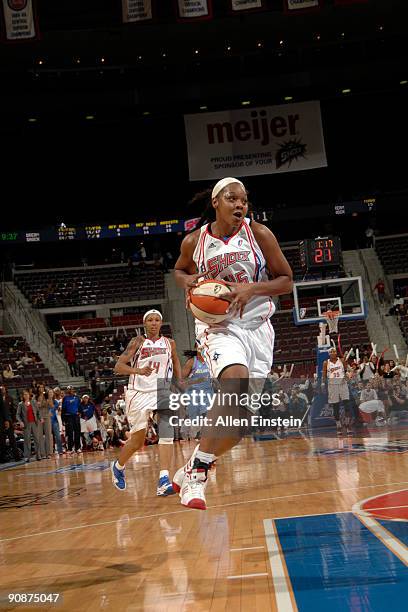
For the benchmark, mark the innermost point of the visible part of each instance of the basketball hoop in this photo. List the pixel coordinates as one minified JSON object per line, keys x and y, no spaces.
{"x":332,"y":318}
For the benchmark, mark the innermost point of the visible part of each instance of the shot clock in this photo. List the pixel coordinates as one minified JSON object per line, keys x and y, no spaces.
{"x":320,"y":253}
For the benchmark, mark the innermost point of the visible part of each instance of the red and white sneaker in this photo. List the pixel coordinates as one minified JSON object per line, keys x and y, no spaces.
{"x":193,"y":488}
{"x":181,"y":472}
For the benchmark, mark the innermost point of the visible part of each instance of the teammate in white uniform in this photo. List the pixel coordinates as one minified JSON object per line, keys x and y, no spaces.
{"x":150,"y":361}
{"x":334,"y":372}
{"x":247,"y":256}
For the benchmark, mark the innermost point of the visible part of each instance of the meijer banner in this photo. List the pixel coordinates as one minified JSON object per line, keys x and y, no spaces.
{"x":263,"y":140}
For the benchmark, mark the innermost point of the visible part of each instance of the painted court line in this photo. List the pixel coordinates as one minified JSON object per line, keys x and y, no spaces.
{"x":231,"y":504}
{"x":387,"y":538}
{"x":281,"y":581}
{"x":247,"y":548}
{"x":247,"y":576}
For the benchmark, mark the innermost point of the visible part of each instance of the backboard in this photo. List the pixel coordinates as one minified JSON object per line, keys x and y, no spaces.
{"x":313,"y":298}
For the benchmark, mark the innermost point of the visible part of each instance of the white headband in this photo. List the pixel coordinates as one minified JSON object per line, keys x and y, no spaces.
{"x":153,"y":311}
{"x":223,"y":183}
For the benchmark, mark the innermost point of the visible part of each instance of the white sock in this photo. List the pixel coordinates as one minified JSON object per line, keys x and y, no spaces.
{"x":163,"y":473}
{"x":205,"y":457}
{"x":120,"y":467}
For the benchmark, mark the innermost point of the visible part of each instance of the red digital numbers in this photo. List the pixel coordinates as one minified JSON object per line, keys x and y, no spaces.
{"x":323,"y":256}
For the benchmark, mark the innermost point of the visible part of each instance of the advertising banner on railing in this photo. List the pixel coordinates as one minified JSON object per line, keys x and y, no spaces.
{"x":248,"y":141}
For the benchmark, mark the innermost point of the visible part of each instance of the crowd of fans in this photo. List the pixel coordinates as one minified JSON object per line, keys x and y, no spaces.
{"x":45,"y":421}
{"x":371,"y":378}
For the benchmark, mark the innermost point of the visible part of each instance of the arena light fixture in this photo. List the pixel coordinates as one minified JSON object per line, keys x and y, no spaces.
{"x":245,"y":102}
{"x":203,"y":107}
{"x":404,"y":82}
{"x":288,"y":98}
{"x":146,"y":113}
{"x":32,"y":120}
{"x":89,"y":117}
{"x":346,"y":91}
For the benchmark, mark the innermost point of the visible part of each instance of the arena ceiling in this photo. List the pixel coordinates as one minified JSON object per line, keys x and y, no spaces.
{"x":87,"y":58}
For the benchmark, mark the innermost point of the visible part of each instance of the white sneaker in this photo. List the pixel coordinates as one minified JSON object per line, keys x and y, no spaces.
{"x":179,"y":475}
{"x":193,"y":489}
{"x":79,"y":451}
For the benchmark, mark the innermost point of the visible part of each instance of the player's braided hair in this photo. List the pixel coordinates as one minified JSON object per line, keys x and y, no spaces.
{"x":202,"y":201}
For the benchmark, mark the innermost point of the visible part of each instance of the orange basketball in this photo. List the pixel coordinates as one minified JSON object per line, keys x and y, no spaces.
{"x":209,"y":302}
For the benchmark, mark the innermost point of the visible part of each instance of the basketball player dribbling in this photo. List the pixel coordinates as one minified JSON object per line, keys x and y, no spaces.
{"x":247,"y":256}
{"x":150,"y":362}
{"x":334,"y":372}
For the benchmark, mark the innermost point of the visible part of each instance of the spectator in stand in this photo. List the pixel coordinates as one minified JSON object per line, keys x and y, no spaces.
{"x":297,"y":405}
{"x":54,"y":409}
{"x":121,"y":403}
{"x":6,"y":430}
{"x":397,"y":306}
{"x":70,"y":417}
{"x":44,"y":426}
{"x":131,"y":267}
{"x":380,"y":288}
{"x":108,"y":423}
{"x":402,"y":370}
{"x":368,"y":393}
{"x":28,"y":417}
{"x":89,"y":426}
{"x":70,"y":355}
{"x":8,"y":373}
{"x":385,"y":371}
{"x":367,"y":369}
{"x":122,"y":425}
{"x":369,"y":233}
{"x":399,"y":408}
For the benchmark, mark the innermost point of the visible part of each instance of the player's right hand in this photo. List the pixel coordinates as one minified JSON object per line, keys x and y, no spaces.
{"x":191,"y":280}
{"x":146,"y":371}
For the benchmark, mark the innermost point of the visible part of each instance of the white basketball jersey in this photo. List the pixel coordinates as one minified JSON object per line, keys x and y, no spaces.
{"x":156,"y":355}
{"x":237,"y":259}
{"x":335,"y":370}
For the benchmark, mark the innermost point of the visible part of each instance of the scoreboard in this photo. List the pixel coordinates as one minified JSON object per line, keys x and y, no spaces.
{"x":320,"y":253}
{"x":97,"y":232}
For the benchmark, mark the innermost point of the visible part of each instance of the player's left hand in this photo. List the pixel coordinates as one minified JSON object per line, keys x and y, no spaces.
{"x":239,"y":297}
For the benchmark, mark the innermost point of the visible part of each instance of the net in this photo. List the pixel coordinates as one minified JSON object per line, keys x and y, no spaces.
{"x":332,"y":318}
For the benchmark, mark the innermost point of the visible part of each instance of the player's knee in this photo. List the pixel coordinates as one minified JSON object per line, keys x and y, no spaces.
{"x":166,"y":441}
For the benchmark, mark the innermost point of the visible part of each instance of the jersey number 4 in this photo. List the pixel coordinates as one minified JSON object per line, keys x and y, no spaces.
{"x":155,"y":365}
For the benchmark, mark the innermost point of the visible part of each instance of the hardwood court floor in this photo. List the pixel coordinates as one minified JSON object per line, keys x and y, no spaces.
{"x":65,"y":529}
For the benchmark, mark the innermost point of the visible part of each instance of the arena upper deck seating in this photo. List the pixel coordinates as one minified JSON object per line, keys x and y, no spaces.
{"x":12,"y":348}
{"x":393,"y":253}
{"x":86,"y":286}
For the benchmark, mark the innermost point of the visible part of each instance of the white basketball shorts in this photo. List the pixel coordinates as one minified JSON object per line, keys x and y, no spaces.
{"x":139,"y":405}
{"x":232,"y":345}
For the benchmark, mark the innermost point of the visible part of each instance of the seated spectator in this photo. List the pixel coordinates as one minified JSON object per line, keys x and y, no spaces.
{"x":368,"y":393}
{"x":89,"y":425}
{"x":122,"y":425}
{"x":8,"y":373}
{"x":108,"y":422}
{"x":297,"y":404}
{"x":399,"y":407}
